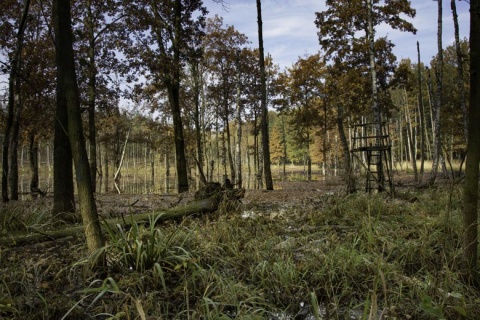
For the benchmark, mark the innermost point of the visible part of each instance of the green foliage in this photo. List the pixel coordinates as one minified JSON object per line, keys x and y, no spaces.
{"x":355,"y":256}
{"x":144,"y":248}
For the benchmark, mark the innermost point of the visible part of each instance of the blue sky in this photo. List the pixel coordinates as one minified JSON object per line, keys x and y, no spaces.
{"x":289,"y":30}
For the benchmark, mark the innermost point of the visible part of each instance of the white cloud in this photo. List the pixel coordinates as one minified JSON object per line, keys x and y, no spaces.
{"x":289,"y":30}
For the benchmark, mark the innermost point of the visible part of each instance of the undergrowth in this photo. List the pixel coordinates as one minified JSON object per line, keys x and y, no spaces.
{"x":357,"y":256}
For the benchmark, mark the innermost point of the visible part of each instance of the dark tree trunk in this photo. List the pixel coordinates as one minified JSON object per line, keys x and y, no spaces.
{"x":33,"y":162}
{"x":422,"y":116}
{"x":66,"y":75}
{"x":10,"y":170}
{"x":63,"y":196}
{"x":265,"y":134}
{"x":173,"y":87}
{"x":437,"y":144}
{"x":92,"y":82}
{"x":470,"y":211}
{"x":238,"y":143}
{"x":229,"y":150}
{"x":460,"y":74}
{"x":196,"y":115}
{"x":6,"y":141}
{"x":348,"y":175}
{"x":13,"y":149}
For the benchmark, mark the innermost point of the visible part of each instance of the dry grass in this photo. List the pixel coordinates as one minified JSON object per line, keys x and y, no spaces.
{"x":302,"y":250}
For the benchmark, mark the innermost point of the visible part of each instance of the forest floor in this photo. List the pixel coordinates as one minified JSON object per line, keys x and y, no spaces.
{"x":303,"y":251}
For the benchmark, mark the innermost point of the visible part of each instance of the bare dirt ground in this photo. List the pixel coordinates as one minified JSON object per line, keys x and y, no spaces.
{"x":291,"y":193}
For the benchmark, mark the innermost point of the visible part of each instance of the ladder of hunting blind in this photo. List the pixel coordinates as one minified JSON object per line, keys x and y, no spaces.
{"x":371,"y":148}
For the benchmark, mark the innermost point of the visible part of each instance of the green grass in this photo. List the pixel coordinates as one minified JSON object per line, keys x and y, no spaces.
{"x":357,"y":256}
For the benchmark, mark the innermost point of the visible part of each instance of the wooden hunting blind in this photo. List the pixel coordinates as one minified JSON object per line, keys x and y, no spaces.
{"x":372,"y":149}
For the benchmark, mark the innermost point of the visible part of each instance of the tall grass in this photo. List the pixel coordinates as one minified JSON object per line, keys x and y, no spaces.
{"x":358,"y":256}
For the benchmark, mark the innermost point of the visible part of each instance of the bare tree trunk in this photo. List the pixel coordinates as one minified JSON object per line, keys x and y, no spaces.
{"x":92,"y":95}
{"x":13,"y":91}
{"x":437,"y":148}
{"x":256,"y":164}
{"x":224,"y":150}
{"x":377,"y":116}
{"x":238,"y":146}
{"x":33,"y":161}
{"x":63,"y":196}
{"x":284,"y":141}
{"x":309,"y":159}
{"x":106,"y":175}
{"x":460,"y":74}
{"x":167,"y":172}
{"x":13,"y":149}
{"x":229,"y":150}
{"x":173,"y":87}
{"x":373,"y":72}
{"x":117,"y":173}
{"x":470,"y":200}
{"x":422,"y":116}
{"x":411,"y":137}
{"x":196,"y":114}
{"x":265,"y":134}
{"x":325,"y":138}
{"x":66,"y":73}
{"x":348,"y":176}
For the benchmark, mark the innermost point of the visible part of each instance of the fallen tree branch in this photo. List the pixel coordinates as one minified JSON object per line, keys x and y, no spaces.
{"x":207,"y":205}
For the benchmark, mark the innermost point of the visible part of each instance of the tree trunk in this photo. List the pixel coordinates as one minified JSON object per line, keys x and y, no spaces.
{"x":460,"y":74}
{"x":66,"y":74}
{"x":377,"y":116}
{"x":63,"y":196}
{"x":238,"y":145}
{"x":470,"y":211}
{"x":309,"y":159}
{"x":437,"y":147}
{"x":92,"y":82}
{"x":173,"y":87}
{"x":411,"y":136}
{"x":224,"y":149}
{"x":325,"y":138}
{"x":33,"y":161}
{"x":348,"y":176}
{"x":13,"y":148}
{"x":422,"y":116}
{"x":122,"y":157}
{"x":228,"y":145}
{"x":373,"y":71}
{"x":265,"y":135}
{"x":167,"y":172}
{"x":13,"y":90}
{"x":284,"y":140}
{"x":196,"y":114}
{"x":106,"y":175}
{"x":460,"y":77}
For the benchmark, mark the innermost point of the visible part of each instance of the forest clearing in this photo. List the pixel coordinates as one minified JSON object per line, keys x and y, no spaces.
{"x":304,"y":251}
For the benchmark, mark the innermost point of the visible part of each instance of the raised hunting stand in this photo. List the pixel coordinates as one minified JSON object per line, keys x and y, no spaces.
{"x":371,"y":147}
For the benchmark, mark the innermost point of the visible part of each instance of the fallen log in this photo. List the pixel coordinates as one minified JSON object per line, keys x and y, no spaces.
{"x":200,"y":206}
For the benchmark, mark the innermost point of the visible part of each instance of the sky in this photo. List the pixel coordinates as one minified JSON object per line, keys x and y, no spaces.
{"x":289,"y":31}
